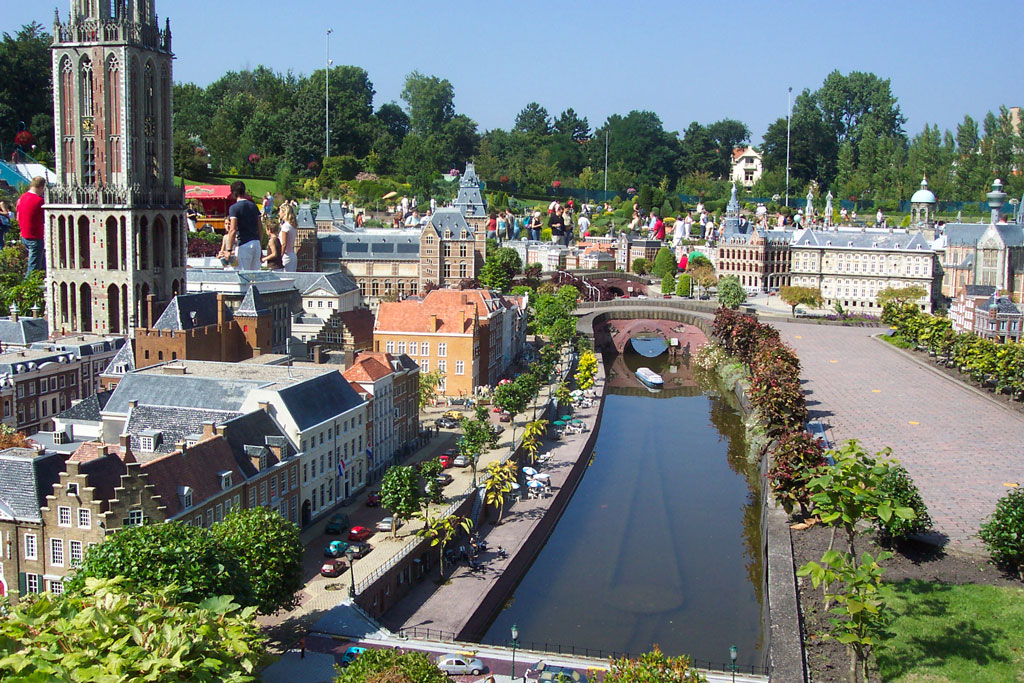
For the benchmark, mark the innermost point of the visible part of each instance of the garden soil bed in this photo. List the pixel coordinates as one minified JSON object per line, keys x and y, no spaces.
{"x":828,"y":660}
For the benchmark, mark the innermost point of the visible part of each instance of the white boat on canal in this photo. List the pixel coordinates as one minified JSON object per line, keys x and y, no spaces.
{"x":650,"y":378}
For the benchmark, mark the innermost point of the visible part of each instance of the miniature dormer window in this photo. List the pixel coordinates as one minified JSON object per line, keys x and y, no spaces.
{"x":185,"y":493}
{"x":146,"y":443}
{"x":263,"y":460}
{"x":225,"y":480}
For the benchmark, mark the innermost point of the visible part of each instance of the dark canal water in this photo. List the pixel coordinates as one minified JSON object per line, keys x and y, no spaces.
{"x":660,"y":543}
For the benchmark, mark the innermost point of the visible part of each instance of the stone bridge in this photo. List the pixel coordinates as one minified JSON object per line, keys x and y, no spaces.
{"x":613,"y":323}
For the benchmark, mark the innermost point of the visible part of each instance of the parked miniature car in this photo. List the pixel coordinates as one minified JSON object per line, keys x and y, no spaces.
{"x":386,"y":524}
{"x":446,"y":460}
{"x":333,"y":568}
{"x":358,"y":550}
{"x":505,"y":417}
{"x":547,"y":673}
{"x":453,"y":415}
{"x":359,"y":533}
{"x":460,"y":461}
{"x":497,"y":429}
{"x":458,"y":664}
{"x":446,"y":423}
{"x":373,"y":500}
{"x":444,"y":480}
{"x":337,"y":523}
{"x":335,"y":549}
{"x":351,"y":654}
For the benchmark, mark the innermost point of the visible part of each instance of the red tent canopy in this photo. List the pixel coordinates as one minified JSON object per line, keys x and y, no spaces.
{"x":215,"y":199}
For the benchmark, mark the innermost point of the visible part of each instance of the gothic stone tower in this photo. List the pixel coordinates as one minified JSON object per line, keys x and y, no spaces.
{"x":115,"y":233}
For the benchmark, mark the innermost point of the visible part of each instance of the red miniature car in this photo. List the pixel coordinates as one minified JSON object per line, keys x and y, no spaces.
{"x":359,"y":533}
{"x":373,"y":500}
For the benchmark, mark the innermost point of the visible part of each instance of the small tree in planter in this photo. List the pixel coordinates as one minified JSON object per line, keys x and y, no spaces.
{"x":1003,"y":533}
{"x":668,"y":284}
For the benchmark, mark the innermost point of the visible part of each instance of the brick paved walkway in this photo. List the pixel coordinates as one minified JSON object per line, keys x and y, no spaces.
{"x":959,"y":447}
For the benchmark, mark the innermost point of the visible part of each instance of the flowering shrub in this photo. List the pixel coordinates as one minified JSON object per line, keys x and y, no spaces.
{"x":795,"y":459}
{"x":503,"y":179}
{"x":24,"y":138}
{"x":198,"y":247}
{"x":556,"y":183}
{"x":709,"y":356}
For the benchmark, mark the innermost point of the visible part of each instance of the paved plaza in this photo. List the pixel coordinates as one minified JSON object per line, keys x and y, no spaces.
{"x":961,"y":448}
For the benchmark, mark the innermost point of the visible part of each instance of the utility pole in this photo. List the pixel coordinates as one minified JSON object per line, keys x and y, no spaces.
{"x":606,"y":163}
{"x":327,"y":99}
{"x":789,"y":115}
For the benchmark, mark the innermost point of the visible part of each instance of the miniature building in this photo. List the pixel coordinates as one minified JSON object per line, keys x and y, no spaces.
{"x":450,"y":249}
{"x":469,"y":200}
{"x":114,"y":230}
{"x":746,"y":167}
{"x":922,"y":207}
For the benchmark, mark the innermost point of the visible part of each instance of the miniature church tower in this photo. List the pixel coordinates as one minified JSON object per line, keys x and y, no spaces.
{"x":115,"y":232}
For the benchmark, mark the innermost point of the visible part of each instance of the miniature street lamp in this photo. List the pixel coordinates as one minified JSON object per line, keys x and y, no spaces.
{"x":515,"y":644}
{"x":351,"y":555}
{"x":733,"y":652}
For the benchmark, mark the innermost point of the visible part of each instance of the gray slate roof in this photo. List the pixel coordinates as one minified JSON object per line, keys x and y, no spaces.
{"x":448,"y":218}
{"x":1004,"y":305}
{"x":13,"y":365}
{"x":305,"y":217}
{"x":186,"y":391}
{"x":979,"y":290}
{"x":469,"y":201}
{"x":968,"y":234}
{"x":187,"y":311}
{"x":122,"y":362}
{"x":255,"y":429}
{"x":319,"y":399}
{"x":174,"y":425}
{"x":385,"y":245}
{"x":252,"y":304}
{"x":82,"y":348}
{"x":23,"y":331}
{"x":863,"y":240}
{"x":88,"y":409}
{"x":335,"y":283}
{"x":323,"y":212}
{"x":26,"y":478}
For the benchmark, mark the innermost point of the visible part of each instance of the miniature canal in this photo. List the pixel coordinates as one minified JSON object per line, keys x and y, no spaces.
{"x":660,"y":543}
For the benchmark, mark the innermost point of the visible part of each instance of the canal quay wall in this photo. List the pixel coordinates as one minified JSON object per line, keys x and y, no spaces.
{"x":537,"y":534}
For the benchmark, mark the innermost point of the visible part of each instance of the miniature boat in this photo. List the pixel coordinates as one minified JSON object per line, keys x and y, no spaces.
{"x":650,"y":377}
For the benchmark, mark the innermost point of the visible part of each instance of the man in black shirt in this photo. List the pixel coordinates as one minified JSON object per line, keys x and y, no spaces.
{"x":556,"y":223}
{"x":244,"y":229}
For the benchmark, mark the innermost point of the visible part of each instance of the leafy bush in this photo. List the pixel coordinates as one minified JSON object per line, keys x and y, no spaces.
{"x":198,"y":247}
{"x":796,"y":457}
{"x":899,"y":487}
{"x":683,"y":285}
{"x":668,"y":284}
{"x":639,"y":266}
{"x":1003,"y":533}
{"x":664,"y":263}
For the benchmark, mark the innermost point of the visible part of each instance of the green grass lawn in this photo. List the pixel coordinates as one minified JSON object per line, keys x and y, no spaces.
{"x":947,"y":632}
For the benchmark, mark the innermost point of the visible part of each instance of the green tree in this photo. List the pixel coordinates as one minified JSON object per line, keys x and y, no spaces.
{"x":429,"y":470}
{"x":269,"y":551}
{"x":698,"y":152}
{"x":498,"y":484}
{"x":664,"y":263}
{"x":26,"y":86}
{"x":900,"y":295}
{"x":501,"y":266}
{"x":645,"y":198}
{"x":441,"y":530}
{"x":532,"y":435}
{"x":513,"y":398}
{"x":644,"y":152}
{"x":429,"y":382}
{"x":730,"y":292}
{"x":850,"y":490}
{"x":653,"y":667}
{"x":796,"y":296}
{"x":861,"y":615}
{"x":431,"y":102}
{"x":111,"y":630}
{"x":400,"y":493}
{"x":158,"y":556}
{"x":729,"y":134}
{"x":683,"y":285}
{"x":703,"y":274}
{"x":384,"y":665}
{"x":812,"y":144}
{"x":572,"y":126}
{"x":476,"y":436}
{"x":533,"y":119}
{"x":668,"y":283}
{"x":639,"y":266}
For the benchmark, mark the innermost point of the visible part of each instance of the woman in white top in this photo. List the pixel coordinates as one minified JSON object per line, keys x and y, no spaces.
{"x":287,"y":217}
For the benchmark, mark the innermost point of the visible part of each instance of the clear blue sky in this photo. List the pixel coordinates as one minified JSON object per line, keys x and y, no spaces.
{"x":687,"y":61}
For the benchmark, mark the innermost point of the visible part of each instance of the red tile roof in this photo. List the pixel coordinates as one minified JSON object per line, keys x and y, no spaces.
{"x":91,"y":450}
{"x":366,"y":370}
{"x":197,"y":468}
{"x":414,"y":315}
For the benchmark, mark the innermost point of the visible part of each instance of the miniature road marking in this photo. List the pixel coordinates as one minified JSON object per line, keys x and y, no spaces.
{"x":914,"y":423}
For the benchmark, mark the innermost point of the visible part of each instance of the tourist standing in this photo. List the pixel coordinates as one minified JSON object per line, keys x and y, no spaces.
{"x":492,"y":226}
{"x":568,"y":228}
{"x":678,"y":229}
{"x":268,"y":205}
{"x":556,"y":223}
{"x":273,"y":257}
{"x":584,"y":223}
{"x":287,"y":236}
{"x":30,"y":221}
{"x":5,"y":222}
{"x":657,"y":227}
{"x":244,"y":229}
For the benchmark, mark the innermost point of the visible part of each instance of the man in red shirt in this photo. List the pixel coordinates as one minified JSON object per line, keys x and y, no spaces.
{"x":30,"y":220}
